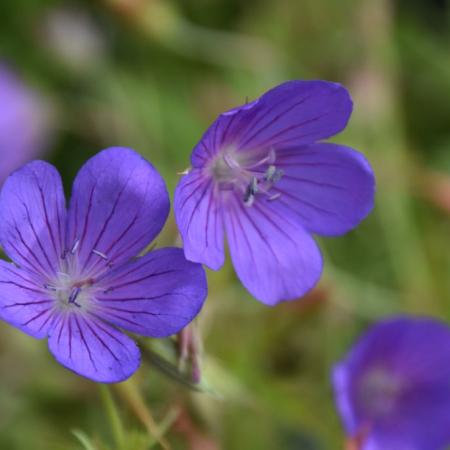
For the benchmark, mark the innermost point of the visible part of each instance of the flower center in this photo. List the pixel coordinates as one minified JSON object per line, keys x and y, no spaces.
{"x":74,"y":287}
{"x":251,"y":174}
{"x":379,"y":392}
{"x":71,"y":294}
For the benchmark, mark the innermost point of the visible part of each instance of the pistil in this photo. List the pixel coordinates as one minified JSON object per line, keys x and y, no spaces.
{"x":233,"y":170}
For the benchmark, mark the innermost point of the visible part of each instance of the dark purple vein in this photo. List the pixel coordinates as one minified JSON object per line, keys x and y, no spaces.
{"x":85,"y":343}
{"x":273,"y":121}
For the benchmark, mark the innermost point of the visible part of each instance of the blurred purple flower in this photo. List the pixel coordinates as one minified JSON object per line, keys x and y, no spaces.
{"x":260,"y":177}
{"x":75,"y":279}
{"x":394,"y":386}
{"x":24,"y":123}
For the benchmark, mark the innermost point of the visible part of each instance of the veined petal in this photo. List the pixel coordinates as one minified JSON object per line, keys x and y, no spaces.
{"x":24,"y":303}
{"x":199,"y":220}
{"x":156,"y":295}
{"x":330,"y":188}
{"x":292,"y":114}
{"x":93,"y":349}
{"x":223,"y":131}
{"x":119,"y":204}
{"x":33,"y":214}
{"x":275,"y":259}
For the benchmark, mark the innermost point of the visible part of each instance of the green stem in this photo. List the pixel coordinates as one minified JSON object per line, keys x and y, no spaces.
{"x":131,"y":395}
{"x":113,"y":416}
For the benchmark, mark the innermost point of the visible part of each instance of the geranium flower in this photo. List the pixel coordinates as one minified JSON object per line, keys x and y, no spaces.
{"x":24,"y":123}
{"x":393,"y":388}
{"x":74,"y":276}
{"x":261,"y":177}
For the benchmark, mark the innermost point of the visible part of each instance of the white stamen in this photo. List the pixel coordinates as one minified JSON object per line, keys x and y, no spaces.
{"x":185,"y":172}
{"x":100,"y":254}
{"x":75,"y":246}
{"x":64,"y":275}
{"x":269,"y":159}
{"x":271,"y":156}
{"x":230,"y":161}
{"x":274,"y":197}
{"x":49,"y":287}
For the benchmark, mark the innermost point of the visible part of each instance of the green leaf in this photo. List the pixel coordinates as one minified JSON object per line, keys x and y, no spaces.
{"x":84,"y":440}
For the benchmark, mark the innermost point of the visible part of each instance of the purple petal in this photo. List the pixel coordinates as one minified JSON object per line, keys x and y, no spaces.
{"x":222,"y":132}
{"x":24,"y":302}
{"x":156,"y":295}
{"x":93,"y":349}
{"x":292,"y":114}
{"x":412,"y":407}
{"x":330,"y":188}
{"x":33,"y":214}
{"x":119,"y":204}
{"x":274,"y":258}
{"x":199,"y":220}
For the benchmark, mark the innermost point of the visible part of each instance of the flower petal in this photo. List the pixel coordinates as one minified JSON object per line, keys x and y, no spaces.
{"x":156,"y":295}
{"x":93,"y":349}
{"x":274,"y":258}
{"x":33,"y":214}
{"x":199,"y":220}
{"x":292,"y":114}
{"x":223,"y":131}
{"x":23,"y":302}
{"x":330,"y":188}
{"x":119,"y":204}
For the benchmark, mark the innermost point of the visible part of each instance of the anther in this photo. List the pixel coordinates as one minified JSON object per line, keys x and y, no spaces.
{"x":74,"y":294}
{"x":250,"y":192}
{"x":273,"y":174}
{"x":270,"y":172}
{"x":100,"y":254}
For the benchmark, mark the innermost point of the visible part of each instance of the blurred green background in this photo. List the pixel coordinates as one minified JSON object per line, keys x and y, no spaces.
{"x":152,"y":75}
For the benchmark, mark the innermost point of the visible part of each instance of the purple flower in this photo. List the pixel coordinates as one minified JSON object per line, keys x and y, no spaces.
{"x":260,"y":177}
{"x":24,"y":123}
{"x":75,"y":278}
{"x":394,"y":386}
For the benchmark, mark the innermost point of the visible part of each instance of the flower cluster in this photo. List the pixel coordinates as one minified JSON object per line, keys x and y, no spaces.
{"x":260,"y":175}
{"x":262,"y":179}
